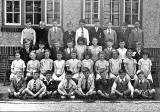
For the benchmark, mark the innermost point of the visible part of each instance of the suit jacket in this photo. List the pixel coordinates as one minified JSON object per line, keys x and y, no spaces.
{"x":68,"y":36}
{"x":54,"y":36}
{"x":25,"y":54}
{"x":112,"y":36}
{"x":123,"y":35}
{"x":138,"y":56}
{"x":17,"y":86}
{"x":145,"y":85}
{"x":67,"y":55}
{"x":136,"y":36}
{"x":50,"y":85}
{"x":108,"y":53}
{"x":53,"y":55}
{"x":99,"y":35}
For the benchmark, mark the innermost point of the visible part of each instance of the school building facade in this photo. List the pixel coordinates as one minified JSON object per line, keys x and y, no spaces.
{"x":13,"y":15}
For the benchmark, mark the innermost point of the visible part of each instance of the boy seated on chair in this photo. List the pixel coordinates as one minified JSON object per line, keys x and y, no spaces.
{"x":142,"y":87}
{"x":51,"y":89}
{"x":17,"y":86}
{"x":35,"y":87}
{"x":103,"y":85}
{"x":122,"y":86}
{"x":86,"y":86}
{"x":67,"y":87}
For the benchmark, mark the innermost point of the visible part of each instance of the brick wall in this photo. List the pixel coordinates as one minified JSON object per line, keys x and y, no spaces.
{"x":71,"y":12}
{"x":151,"y":23}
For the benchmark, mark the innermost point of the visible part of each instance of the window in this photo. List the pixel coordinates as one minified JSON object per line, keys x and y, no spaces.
{"x":131,"y":11}
{"x":12,"y":12}
{"x":33,"y":11}
{"x":112,"y":12}
{"x":52,"y":11}
{"x":91,"y":11}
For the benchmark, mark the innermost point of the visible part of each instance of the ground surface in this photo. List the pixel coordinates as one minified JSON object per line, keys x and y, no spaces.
{"x":77,"y":105}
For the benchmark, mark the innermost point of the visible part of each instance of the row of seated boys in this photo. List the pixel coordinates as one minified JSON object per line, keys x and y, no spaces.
{"x":87,"y":87}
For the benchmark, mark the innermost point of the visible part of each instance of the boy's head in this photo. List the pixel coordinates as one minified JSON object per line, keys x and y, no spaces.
{"x":145,"y":55}
{"x":96,"y":23}
{"x":138,"y":45}
{"x":42,"y":24}
{"x":109,"y":43}
{"x":41,"y":45}
{"x":103,"y":73}
{"x":36,"y":74}
{"x":69,"y":75}
{"x":122,"y":44}
{"x":55,"y":23}
{"x":115,"y":54}
{"x":47,"y":53}
{"x":59,"y":55}
{"x":140,"y":75}
{"x":17,"y":55}
{"x":109,"y":25}
{"x":124,"y":26}
{"x":122,"y":73}
{"x":73,"y":54}
{"x":69,"y":43}
{"x":137,"y":24}
{"x":87,"y":55}
{"x":129,"y":53}
{"x":32,"y":55}
{"x":82,"y":23}
{"x":26,"y":45}
{"x":80,"y":41}
{"x":48,"y":74}
{"x":57,"y":44}
{"x":94,"y":41}
{"x":19,"y":74}
{"x":86,"y":72}
{"x":28,"y":23}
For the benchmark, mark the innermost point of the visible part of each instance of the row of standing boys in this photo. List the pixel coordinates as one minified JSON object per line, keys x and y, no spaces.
{"x":84,"y":64}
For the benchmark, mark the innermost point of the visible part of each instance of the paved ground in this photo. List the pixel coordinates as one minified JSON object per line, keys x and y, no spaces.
{"x":72,"y":106}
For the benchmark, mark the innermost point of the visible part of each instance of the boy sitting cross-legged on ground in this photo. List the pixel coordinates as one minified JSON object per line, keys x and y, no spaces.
{"x":17,"y":86}
{"x":142,"y":87}
{"x":51,"y":89}
{"x":67,"y":87}
{"x":35,"y":87}
{"x":122,"y":86}
{"x":103,"y":86}
{"x":86,"y":85}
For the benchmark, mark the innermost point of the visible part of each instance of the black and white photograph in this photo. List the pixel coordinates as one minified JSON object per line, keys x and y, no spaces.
{"x":80,"y":55}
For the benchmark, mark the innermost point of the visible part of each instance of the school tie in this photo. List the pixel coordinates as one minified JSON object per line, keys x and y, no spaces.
{"x":82,"y":32}
{"x":86,"y":86}
{"x":140,"y":81}
{"x":34,"y":86}
{"x":55,"y":29}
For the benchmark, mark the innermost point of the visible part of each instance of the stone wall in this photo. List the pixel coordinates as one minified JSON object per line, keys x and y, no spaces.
{"x":151,"y":23}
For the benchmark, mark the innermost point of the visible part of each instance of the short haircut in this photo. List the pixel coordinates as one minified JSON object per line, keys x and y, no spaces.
{"x":69,"y":72}
{"x":102,"y":52}
{"x":60,"y":52}
{"x":28,"y":21}
{"x":145,"y":53}
{"x":69,"y":40}
{"x":85,"y":69}
{"x":87,"y":53}
{"x":129,"y":50}
{"x":109,"y":40}
{"x":122,"y":71}
{"x":73,"y":51}
{"x":81,"y":39}
{"x":17,"y":52}
{"x":48,"y":72}
{"x":115,"y":50}
{"x":81,"y":21}
{"x":41,"y":42}
{"x":140,"y":72}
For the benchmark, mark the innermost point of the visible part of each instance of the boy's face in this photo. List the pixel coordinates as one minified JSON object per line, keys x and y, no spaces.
{"x":26,"y":45}
{"x":94,"y":41}
{"x":55,"y":24}
{"x":115,"y":54}
{"x":145,"y":56}
{"x":73,"y":55}
{"x":137,"y":24}
{"x":122,"y":75}
{"x":41,"y":46}
{"x":70,"y":44}
{"x":97,"y":24}
{"x":109,"y":25}
{"x":122,"y":44}
{"x":109,"y":44}
{"x":35,"y":75}
{"x":59,"y":56}
{"x":80,"y":43}
{"x":141,"y":76}
{"x":47,"y":54}
{"x":48,"y":76}
{"x":103,"y":75}
{"x":68,"y":76}
{"x":81,"y":24}
{"x":42,"y":25}
{"x":57,"y":44}
{"x":86,"y":74}
{"x":129,"y":54}
{"x":17,"y":55}
{"x":32,"y":55}
{"x":19,"y":74}
{"x":101,"y":56}
{"x":28,"y":25}
{"x":124,"y":28}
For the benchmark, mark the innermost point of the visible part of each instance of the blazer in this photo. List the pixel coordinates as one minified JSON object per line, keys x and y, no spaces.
{"x":25,"y":54}
{"x":18,"y":86}
{"x":112,"y":36}
{"x":136,"y":36}
{"x":68,"y":36}
{"x":99,"y":35}
{"x":54,"y":36}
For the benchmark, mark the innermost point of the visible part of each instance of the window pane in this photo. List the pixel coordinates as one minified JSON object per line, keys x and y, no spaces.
{"x":134,"y":18}
{"x":16,"y":18}
{"x":29,"y":6}
{"x":95,"y":7}
{"x":49,"y":11}
{"x":88,"y":18}
{"x":16,"y":6}
{"x":128,"y":19}
{"x":37,"y":18}
{"x":37,"y":6}
{"x":9,"y":6}
{"x":88,"y":7}
{"x":30,"y":17}
{"x":9,"y":18}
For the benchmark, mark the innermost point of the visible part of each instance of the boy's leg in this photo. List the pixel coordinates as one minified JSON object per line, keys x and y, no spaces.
{"x":152,"y":93}
{"x":127,"y":93}
{"x":29,"y":92}
{"x":10,"y":94}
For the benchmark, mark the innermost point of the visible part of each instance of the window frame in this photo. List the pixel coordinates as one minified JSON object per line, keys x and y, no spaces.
{"x":5,"y":13}
{"x":45,"y":13}
{"x":99,"y":11}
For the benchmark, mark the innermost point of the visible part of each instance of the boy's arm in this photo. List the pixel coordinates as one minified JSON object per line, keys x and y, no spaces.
{"x":131,"y":88}
{"x":23,"y":86}
{"x":12,"y":68}
{"x":79,"y":86}
{"x":22,"y":36}
{"x":12,"y":86}
{"x":34,"y":37}
{"x":61,"y":36}
{"x":76,"y":37}
{"x":92,"y":86}
{"x":43,"y":88}
{"x":87,"y":36}
{"x":49,"y":38}
{"x":61,"y":89}
{"x":115,"y":38}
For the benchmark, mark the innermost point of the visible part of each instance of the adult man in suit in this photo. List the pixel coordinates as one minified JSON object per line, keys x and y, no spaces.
{"x":97,"y":32}
{"x":55,"y":34}
{"x":123,"y":34}
{"x":136,"y":36}
{"x":110,"y":34}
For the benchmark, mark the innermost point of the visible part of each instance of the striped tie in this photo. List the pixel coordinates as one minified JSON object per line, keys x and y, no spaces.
{"x":34,"y":86}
